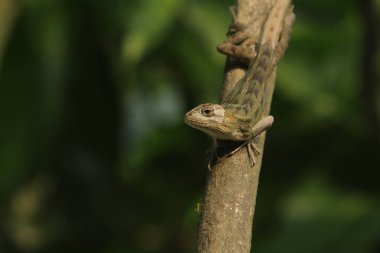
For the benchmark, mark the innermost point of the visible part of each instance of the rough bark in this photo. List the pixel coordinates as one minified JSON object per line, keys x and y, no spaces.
{"x":231,"y":188}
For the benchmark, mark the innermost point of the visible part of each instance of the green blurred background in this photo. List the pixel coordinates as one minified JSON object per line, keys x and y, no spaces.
{"x":94,"y":154}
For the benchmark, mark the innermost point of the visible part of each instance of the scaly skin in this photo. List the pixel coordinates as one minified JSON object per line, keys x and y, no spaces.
{"x":240,"y":117}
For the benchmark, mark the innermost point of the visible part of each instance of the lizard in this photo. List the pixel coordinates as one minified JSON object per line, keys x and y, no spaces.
{"x":240,"y":117}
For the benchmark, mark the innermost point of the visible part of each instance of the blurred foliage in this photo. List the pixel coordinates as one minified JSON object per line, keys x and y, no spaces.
{"x":94,"y":155}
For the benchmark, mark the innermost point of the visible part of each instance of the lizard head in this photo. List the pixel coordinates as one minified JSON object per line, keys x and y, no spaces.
{"x":208,"y":118}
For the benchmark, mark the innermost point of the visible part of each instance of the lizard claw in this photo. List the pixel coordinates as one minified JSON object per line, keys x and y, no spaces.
{"x":218,"y":159}
{"x":252,"y":150}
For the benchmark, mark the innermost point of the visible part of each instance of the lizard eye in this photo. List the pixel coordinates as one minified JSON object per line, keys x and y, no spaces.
{"x":207,"y":112}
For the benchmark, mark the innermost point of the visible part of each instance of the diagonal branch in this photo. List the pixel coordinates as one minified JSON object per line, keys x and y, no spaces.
{"x":231,"y":187}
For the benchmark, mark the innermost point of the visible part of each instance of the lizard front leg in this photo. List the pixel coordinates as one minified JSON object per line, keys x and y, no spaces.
{"x":262,"y":125}
{"x":257,"y":129}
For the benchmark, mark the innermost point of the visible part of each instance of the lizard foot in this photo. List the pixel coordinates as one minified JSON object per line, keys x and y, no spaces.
{"x":252,"y":149}
{"x":211,"y":159}
{"x":240,"y":44}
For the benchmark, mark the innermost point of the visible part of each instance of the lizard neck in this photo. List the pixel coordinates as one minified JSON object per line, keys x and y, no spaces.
{"x":238,"y":121}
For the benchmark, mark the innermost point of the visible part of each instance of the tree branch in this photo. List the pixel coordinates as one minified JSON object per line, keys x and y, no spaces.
{"x":230,"y":195}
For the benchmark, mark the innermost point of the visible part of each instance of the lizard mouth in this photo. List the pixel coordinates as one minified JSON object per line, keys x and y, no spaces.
{"x":187,"y":118}
{"x":193,"y":121}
